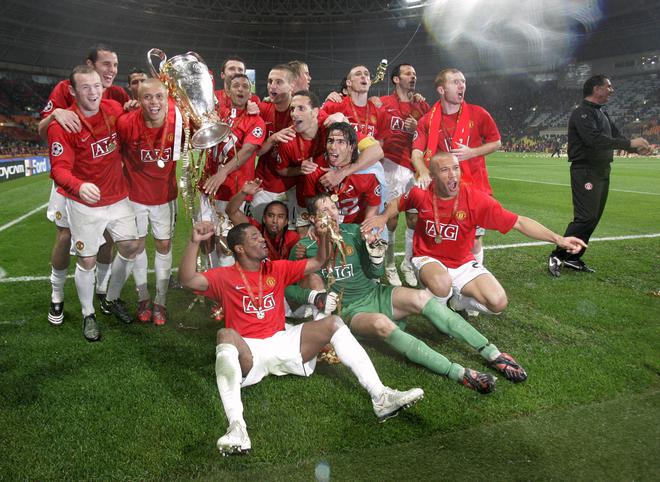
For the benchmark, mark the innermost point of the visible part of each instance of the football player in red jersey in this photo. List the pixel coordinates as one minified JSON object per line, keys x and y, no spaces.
{"x":449,"y":212}
{"x":135,"y":79}
{"x":104,"y":60}
{"x":231,"y":66}
{"x":231,"y":163}
{"x":302,"y":78}
{"x":87,"y":167}
{"x":466,"y":130}
{"x":151,"y":142}
{"x":402,"y":109}
{"x":256,"y":342}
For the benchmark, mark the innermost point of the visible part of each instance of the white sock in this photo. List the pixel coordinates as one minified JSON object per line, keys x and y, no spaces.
{"x":409,"y":243}
{"x":140,"y":275}
{"x":228,"y":378}
{"x":102,"y":277}
{"x":163,"y":268}
{"x":85,"y":286}
{"x":462,"y":302}
{"x":57,"y":280}
{"x":389,"y":253}
{"x":479,"y":256}
{"x":121,"y":269}
{"x":351,"y":354}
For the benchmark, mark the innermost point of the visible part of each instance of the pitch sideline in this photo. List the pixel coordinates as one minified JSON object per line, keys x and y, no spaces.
{"x":20,"y":279}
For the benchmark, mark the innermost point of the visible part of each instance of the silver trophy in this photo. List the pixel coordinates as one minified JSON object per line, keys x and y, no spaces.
{"x":190,"y":84}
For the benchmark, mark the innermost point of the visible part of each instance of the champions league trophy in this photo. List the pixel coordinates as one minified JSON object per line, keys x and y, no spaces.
{"x":190,"y":84}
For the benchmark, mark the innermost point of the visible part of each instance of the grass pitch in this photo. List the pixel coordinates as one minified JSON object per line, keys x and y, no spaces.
{"x":142,"y":404}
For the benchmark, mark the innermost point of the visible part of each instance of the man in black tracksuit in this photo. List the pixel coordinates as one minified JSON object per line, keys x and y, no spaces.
{"x":592,"y":138}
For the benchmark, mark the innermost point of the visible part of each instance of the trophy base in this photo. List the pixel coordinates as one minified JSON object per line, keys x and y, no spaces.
{"x":210,"y":135}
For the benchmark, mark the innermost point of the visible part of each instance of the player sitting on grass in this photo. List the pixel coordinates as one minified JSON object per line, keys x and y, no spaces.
{"x":256,"y":341}
{"x":371,"y":308}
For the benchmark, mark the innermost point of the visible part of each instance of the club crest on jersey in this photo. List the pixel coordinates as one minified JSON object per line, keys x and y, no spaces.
{"x":104,"y":146}
{"x":58,"y":215}
{"x":56,"y":149}
{"x":257,"y":132}
{"x":349,"y":250}
{"x":447,"y":231}
{"x":80,"y":245}
{"x":268,"y":304}
{"x":588,"y":186}
{"x":270,"y":281}
{"x":340,"y":272}
{"x":49,"y":106}
{"x":147,"y":155}
{"x":461,"y":215}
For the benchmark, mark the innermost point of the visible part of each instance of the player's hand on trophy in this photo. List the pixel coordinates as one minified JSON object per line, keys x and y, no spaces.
{"x":308,"y":166}
{"x":422,"y":177}
{"x":410,"y":124}
{"x":214,"y":182}
{"x":250,"y":188}
{"x":463,"y":152}
{"x":571,"y":244}
{"x":252,"y":108}
{"x":68,"y":120}
{"x":89,"y":193}
{"x":201,"y":231}
{"x":285,"y":135}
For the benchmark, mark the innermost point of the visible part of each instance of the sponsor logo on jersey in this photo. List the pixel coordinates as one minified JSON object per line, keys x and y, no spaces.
{"x":147,"y":155}
{"x":396,"y":124}
{"x":56,"y":149}
{"x":340,"y":272}
{"x":447,"y":231}
{"x":104,"y":146}
{"x":267,"y":304}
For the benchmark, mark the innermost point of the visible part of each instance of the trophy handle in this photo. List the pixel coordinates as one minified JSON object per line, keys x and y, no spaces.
{"x":197,"y":56}
{"x":163,"y":58}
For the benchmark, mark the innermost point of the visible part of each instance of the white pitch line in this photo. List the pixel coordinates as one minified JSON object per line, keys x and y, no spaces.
{"x":21,"y":218}
{"x":20,"y":279}
{"x":568,"y":185}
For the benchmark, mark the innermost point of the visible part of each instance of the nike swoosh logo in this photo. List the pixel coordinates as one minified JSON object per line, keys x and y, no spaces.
{"x":84,"y":139}
{"x":239,"y":287}
{"x":425,"y":211}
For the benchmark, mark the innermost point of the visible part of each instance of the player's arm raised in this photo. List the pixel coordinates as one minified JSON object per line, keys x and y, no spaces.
{"x":188,"y":275}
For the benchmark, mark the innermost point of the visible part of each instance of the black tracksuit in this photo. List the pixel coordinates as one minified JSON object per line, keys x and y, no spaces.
{"x":592,"y":138}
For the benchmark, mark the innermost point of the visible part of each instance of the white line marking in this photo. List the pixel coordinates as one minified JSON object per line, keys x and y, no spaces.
{"x":19,"y":219}
{"x":568,"y":185}
{"x":20,"y":279}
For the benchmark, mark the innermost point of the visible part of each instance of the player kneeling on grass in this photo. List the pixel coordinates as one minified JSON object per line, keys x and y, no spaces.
{"x":449,"y":213}
{"x":256,"y":342}
{"x":371,"y":307}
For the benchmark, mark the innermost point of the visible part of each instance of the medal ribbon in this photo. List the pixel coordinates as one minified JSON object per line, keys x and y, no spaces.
{"x":88,"y":125}
{"x":363,"y":128}
{"x":254,"y":300}
{"x":163,"y":138}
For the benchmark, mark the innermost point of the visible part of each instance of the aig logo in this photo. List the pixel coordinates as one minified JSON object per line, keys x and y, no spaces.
{"x":148,"y":156}
{"x":268,"y":304}
{"x":396,"y":124}
{"x":447,"y":231}
{"x":340,"y":272}
{"x":104,"y":146}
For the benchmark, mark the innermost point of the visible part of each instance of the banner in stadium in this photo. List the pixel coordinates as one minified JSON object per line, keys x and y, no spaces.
{"x":15,"y":167}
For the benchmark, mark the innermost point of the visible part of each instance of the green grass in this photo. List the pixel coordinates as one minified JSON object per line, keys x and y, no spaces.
{"x":142,"y":404}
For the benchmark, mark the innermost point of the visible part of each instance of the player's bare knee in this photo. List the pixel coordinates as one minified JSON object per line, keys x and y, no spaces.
{"x":334,"y":322}
{"x":226,"y":335}
{"x":163,"y":246}
{"x":88,"y":263}
{"x":382,"y":326}
{"x":63,"y":236}
{"x":497,"y":304}
{"x":128,"y":248}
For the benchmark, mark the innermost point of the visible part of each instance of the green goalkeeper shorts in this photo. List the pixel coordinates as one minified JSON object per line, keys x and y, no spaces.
{"x":379,"y":300}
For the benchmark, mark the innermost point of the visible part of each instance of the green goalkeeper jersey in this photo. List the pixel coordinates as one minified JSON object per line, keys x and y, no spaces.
{"x":354,"y":279}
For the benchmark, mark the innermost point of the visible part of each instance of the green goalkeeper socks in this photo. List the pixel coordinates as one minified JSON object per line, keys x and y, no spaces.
{"x":419,"y":352}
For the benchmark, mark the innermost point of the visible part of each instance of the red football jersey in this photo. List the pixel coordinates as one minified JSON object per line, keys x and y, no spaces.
{"x":246,"y":129}
{"x":141,"y":150}
{"x":354,"y":193}
{"x":279,"y":247}
{"x":224,"y":101}
{"x":61,"y":98}
{"x":368,"y":119}
{"x":457,"y":226}
{"x":267,"y":166}
{"x":242,"y":309}
{"x":482,"y":130}
{"x":397,"y":143}
{"x":89,"y":156}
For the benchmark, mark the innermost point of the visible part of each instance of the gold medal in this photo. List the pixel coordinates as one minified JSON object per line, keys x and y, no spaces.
{"x":334,"y":198}
{"x":438,"y":239}
{"x":261,"y":315}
